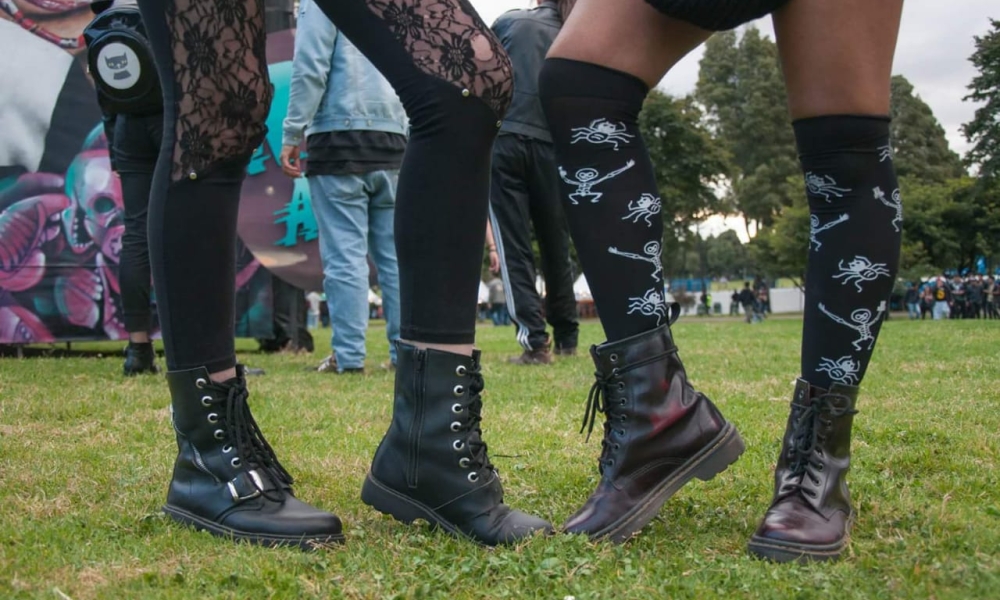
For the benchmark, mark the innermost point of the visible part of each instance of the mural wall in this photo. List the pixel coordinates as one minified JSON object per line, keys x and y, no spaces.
{"x":60,"y":204}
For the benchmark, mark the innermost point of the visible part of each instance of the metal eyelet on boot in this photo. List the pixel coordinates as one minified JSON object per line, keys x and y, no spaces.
{"x":473,"y":477}
{"x":213,"y":417}
{"x":219,"y":434}
{"x":456,"y":408}
{"x":459,"y":390}
{"x":613,"y":358}
{"x":622,"y":401}
{"x":463,"y":462}
{"x":460,"y":370}
{"x":456,"y":426}
{"x":621,"y":386}
{"x":200,"y":383}
{"x":458,"y":445}
{"x":236,"y":462}
{"x":227,"y":449}
{"x":206,"y":401}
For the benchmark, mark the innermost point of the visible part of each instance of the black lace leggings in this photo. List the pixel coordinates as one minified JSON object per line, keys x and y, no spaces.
{"x":452,"y":76}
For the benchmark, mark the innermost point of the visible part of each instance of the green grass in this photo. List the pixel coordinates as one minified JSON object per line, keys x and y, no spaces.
{"x":85,"y":457}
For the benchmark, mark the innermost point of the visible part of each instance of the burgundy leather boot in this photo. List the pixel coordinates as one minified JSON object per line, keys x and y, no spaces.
{"x":659,"y":433}
{"x":811,"y":510}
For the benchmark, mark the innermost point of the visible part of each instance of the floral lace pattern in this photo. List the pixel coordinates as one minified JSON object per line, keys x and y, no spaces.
{"x":447,"y":39}
{"x":222,"y":87}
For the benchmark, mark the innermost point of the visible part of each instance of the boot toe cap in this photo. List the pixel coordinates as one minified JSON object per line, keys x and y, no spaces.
{"x":793,"y":521}
{"x":289,"y":519}
{"x":504,"y":525}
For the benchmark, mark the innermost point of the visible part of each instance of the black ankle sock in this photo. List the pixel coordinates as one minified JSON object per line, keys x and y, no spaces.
{"x":608,"y":189}
{"x":856,"y":219}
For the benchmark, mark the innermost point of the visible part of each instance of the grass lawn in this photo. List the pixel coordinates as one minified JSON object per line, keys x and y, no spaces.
{"x":85,"y":458}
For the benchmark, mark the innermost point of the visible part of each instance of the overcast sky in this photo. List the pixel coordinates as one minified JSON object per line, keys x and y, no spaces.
{"x":935,"y":42}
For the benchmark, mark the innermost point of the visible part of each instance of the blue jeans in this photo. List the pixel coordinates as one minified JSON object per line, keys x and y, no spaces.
{"x":354,"y":214}
{"x":914,"y":309}
{"x":941,"y":310}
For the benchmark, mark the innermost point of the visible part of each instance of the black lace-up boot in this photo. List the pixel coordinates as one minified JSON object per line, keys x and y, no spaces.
{"x":659,"y":433}
{"x":139,"y":359}
{"x":811,"y":509}
{"x":227,"y":479}
{"x":432,"y":464}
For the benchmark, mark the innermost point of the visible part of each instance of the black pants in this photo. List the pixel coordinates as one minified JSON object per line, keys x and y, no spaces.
{"x":136,"y":147}
{"x":524,"y":191}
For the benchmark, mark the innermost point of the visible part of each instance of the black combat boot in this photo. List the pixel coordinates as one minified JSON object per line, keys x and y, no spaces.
{"x":432,"y":464}
{"x":227,"y":479}
{"x":658,"y":434}
{"x":139,"y":358}
{"x":811,"y":510}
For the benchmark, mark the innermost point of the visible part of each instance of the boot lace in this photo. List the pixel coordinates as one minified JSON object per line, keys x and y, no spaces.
{"x":598,"y":400}
{"x":477,"y":447}
{"x":251,"y":447}
{"x":808,"y":437}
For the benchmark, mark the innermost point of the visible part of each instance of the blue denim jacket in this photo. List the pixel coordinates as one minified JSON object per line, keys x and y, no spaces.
{"x":334,"y":87}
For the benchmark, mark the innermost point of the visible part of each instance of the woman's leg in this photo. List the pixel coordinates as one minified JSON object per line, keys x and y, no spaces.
{"x":837,"y":59}
{"x":227,"y":479}
{"x":659,"y":432}
{"x":455,"y":81}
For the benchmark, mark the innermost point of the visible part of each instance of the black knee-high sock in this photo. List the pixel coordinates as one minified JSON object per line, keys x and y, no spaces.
{"x":856,"y":219}
{"x":608,"y":189}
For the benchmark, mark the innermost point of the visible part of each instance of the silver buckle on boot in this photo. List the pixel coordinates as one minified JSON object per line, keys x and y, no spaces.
{"x":258,"y":486}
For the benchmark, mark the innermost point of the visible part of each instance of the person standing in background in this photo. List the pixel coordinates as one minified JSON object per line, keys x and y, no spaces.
{"x":958,"y":298}
{"x":132,"y":111}
{"x":974,"y":293}
{"x":912,"y":301}
{"x":524,"y":191}
{"x":355,"y":132}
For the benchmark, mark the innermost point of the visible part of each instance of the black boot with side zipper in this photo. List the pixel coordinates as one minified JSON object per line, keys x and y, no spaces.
{"x":432,"y":463}
{"x":659,"y":433}
{"x":227,"y":479}
{"x":811,"y":510}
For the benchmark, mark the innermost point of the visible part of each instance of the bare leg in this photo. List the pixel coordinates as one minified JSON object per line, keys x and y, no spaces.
{"x":595,"y":31}
{"x":837,"y":56}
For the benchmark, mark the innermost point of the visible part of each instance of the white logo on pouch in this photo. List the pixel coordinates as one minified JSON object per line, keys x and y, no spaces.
{"x":118,"y":66}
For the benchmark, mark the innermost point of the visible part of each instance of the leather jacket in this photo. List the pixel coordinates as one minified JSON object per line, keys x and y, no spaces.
{"x":527,"y":36}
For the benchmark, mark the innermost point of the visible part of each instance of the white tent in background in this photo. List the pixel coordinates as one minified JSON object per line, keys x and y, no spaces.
{"x":581,"y":289}
{"x":484,"y":293}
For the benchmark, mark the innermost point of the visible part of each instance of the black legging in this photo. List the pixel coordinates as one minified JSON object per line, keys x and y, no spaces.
{"x":455,"y":82}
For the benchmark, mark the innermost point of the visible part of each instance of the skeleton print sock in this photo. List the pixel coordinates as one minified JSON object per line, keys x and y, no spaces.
{"x":855,"y":224}
{"x":608,"y":190}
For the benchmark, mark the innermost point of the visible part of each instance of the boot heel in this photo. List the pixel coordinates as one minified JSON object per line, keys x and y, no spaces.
{"x":728,"y":450}
{"x":388,"y":502}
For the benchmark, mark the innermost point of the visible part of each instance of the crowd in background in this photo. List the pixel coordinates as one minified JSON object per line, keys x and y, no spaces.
{"x":969,"y":297}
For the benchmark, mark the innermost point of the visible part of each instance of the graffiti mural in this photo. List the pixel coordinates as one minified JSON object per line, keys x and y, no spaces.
{"x":61,"y":220}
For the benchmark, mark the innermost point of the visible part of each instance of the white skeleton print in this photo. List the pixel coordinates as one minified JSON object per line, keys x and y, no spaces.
{"x":645,"y":207}
{"x":885,"y":153}
{"x":861,"y":269}
{"x":825,"y":186}
{"x":602,"y":131}
{"x":843,"y":370}
{"x":587,"y":178}
{"x":652,"y":250}
{"x":815,"y":227}
{"x":651,"y":303}
{"x":863,"y":321}
{"x":896,"y":204}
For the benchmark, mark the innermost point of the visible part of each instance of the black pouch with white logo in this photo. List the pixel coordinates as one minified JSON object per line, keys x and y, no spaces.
{"x":121,"y":63}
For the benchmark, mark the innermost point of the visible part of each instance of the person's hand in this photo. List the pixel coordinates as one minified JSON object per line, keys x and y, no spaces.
{"x":494,"y":261}
{"x":290,"y":161}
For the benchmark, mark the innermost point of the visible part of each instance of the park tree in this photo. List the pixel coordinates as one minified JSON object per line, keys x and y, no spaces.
{"x":742,"y":91}
{"x":983,"y":132}
{"x":688,"y":166}
{"x":919,"y":144}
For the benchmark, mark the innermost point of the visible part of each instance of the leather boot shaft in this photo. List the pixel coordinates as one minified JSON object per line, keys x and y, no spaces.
{"x":432,"y":463}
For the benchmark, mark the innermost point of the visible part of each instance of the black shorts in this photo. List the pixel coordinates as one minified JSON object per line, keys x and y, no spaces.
{"x":717,"y":15}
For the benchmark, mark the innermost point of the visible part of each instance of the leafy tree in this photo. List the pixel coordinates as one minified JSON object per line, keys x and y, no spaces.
{"x":918,"y":140}
{"x":741,"y":88}
{"x":688,"y":166}
{"x":983,"y":132}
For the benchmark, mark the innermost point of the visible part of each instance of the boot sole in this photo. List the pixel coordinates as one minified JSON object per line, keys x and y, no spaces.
{"x":711,"y":460}
{"x":305,"y":542}
{"x":780,"y":552}
{"x":405,"y":509}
